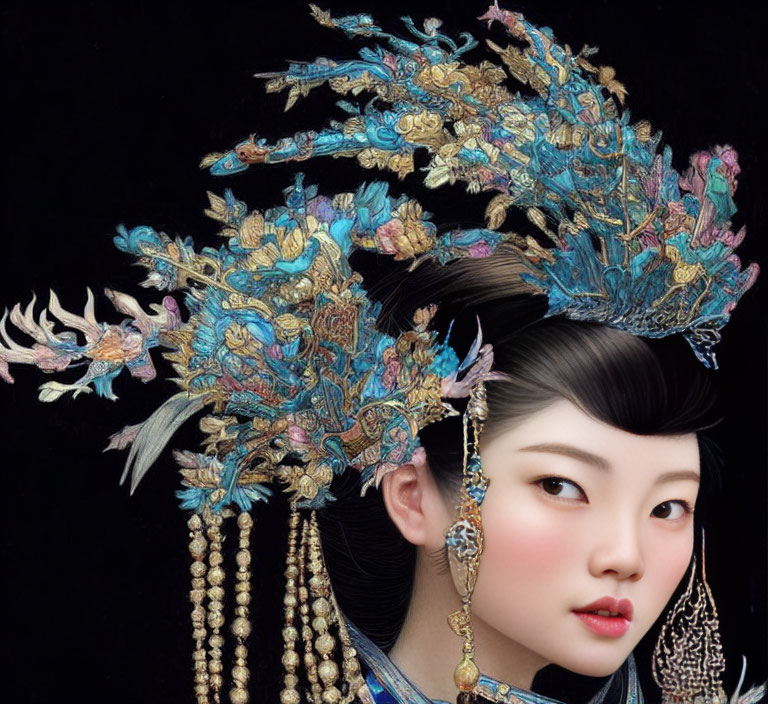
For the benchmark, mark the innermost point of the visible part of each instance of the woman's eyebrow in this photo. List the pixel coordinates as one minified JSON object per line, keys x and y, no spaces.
{"x":678,"y":475}
{"x":602,"y":463}
{"x":569,"y":451}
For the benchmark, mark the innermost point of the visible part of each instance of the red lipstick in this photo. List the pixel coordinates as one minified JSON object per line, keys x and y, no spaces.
{"x":607,"y":616}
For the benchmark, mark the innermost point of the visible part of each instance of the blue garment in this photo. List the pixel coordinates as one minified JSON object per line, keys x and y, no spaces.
{"x":388,"y":685}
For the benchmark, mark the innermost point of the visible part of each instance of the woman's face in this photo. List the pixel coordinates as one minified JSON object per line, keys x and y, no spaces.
{"x":579,"y":513}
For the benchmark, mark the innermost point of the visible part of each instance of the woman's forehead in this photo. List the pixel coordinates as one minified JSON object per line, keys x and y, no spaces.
{"x":562,"y":430}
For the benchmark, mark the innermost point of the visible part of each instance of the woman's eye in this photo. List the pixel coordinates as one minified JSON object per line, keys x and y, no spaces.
{"x":562,"y":488}
{"x":671,"y":510}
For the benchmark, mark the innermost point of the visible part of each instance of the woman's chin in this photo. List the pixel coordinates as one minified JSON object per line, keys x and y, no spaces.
{"x":597,"y":666}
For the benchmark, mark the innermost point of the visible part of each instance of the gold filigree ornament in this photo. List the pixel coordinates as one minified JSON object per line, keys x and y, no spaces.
{"x":252,"y":230}
{"x":304,"y":481}
{"x":688,"y":658}
{"x":425,"y":126}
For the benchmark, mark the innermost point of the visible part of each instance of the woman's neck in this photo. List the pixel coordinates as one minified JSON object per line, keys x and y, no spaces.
{"x":427,"y":651}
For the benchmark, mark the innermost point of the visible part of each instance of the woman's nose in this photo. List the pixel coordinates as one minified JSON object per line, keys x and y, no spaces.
{"x":618,"y":553}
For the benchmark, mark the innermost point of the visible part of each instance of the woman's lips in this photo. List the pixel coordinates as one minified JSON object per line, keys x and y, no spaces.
{"x":610,"y":626}
{"x":607,"y":616}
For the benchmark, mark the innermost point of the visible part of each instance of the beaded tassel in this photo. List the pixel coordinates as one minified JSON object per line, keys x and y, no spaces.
{"x":307,"y":634}
{"x":308,"y":589}
{"x":350,"y":664}
{"x":241,"y":626}
{"x":325,"y":643}
{"x":197,"y":548}
{"x":290,"y":660}
{"x":215,"y":605}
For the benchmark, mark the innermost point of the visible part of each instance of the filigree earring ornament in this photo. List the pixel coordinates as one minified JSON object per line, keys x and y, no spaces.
{"x":688,"y":658}
{"x":464,"y":539}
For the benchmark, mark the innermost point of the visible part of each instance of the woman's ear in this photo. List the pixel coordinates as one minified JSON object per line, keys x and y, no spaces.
{"x":414,"y":504}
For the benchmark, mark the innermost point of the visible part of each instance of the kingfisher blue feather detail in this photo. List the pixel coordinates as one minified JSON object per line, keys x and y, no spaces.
{"x":630,"y":242}
{"x":280,"y":346}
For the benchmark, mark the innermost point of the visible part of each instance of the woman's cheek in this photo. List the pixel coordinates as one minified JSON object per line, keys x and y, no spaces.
{"x":528,"y":529}
{"x":667,"y":561}
{"x":529,"y":547}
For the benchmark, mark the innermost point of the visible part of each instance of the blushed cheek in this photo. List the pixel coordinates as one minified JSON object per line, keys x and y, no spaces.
{"x":525,"y":548}
{"x":537,"y":549}
{"x":669,"y":561}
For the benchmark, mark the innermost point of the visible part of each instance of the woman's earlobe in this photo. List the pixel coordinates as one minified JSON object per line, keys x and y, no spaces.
{"x":403,"y":494}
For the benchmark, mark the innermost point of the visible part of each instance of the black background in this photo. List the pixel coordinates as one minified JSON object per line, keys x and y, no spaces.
{"x":108,"y":109}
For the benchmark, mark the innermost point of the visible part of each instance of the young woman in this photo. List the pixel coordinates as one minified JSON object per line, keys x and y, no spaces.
{"x":591,"y":450}
{"x":602,"y":517}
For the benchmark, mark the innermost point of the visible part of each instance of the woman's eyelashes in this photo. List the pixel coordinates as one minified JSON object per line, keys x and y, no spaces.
{"x":672,"y":510}
{"x":562,"y":488}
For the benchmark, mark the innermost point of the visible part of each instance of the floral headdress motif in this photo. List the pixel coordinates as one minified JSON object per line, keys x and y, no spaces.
{"x":635,"y":245}
{"x":281,"y":345}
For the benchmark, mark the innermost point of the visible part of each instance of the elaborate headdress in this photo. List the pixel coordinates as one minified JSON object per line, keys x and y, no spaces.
{"x":635,"y":245}
{"x":280,"y":347}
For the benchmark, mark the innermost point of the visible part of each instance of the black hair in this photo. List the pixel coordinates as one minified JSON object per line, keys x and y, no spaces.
{"x":645,"y":387}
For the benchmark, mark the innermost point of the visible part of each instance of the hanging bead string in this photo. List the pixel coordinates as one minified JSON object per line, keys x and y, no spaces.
{"x":325,"y":643}
{"x":476,"y":486}
{"x":290,"y":660}
{"x":307,"y":634}
{"x":350,"y":664}
{"x":241,"y":626}
{"x":197,"y":548}
{"x":308,"y":588}
{"x":215,"y":604}
{"x":306,"y":575}
{"x":466,"y":673}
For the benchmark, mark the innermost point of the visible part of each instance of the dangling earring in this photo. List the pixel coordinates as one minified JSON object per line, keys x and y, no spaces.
{"x":688,"y":658}
{"x":464,"y":539}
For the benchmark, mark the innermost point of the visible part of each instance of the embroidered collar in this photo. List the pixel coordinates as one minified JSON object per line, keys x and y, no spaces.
{"x":388,"y":685}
